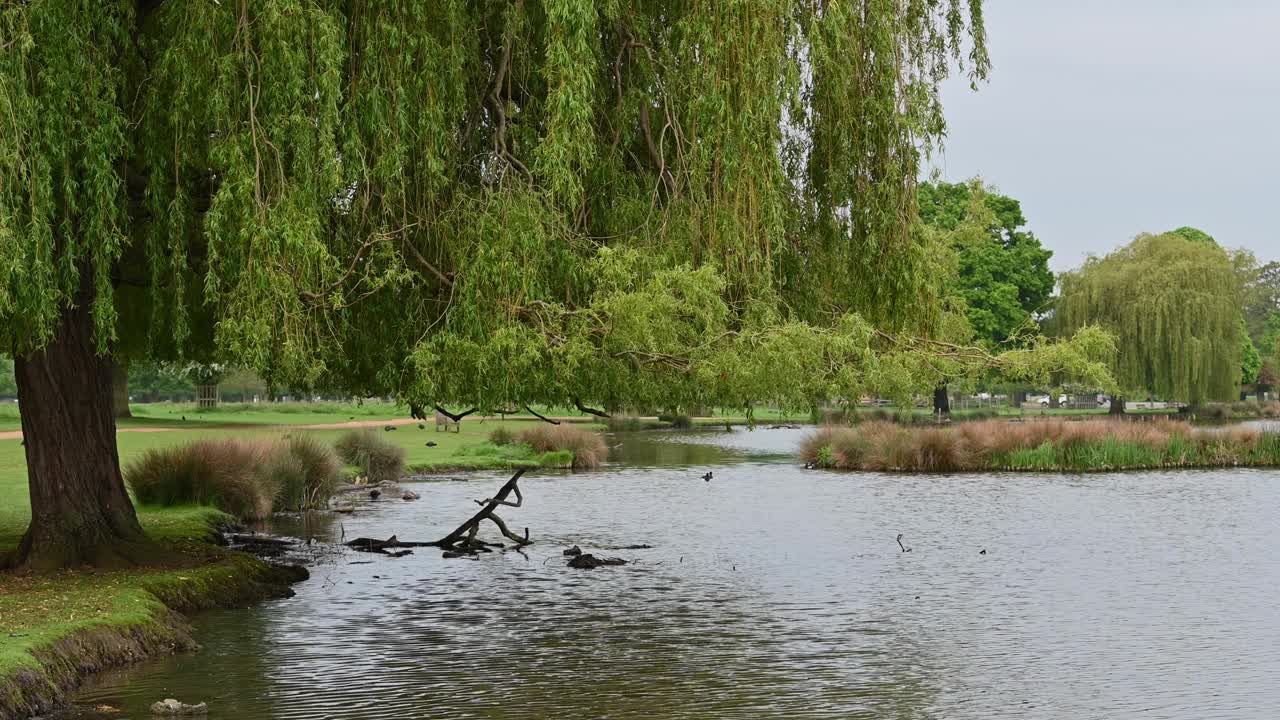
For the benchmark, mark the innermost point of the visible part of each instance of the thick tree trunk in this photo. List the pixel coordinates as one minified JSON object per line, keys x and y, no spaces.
{"x":941,"y":401}
{"x":80,"y":512}
{"x":120,"y":388}
{"x":1117,"y":406}
{"x":1055,"y":401}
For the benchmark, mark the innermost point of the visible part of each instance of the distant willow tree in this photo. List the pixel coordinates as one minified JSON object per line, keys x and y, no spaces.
{"x":482,"y":203}
{"x":1250,"y":358}
{"x":1173,"y":303}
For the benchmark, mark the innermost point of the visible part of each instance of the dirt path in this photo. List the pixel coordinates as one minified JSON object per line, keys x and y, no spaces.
{"x":17,"y":434}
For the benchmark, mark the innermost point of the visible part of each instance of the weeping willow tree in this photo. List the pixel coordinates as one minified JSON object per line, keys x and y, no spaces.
{"x":489,"y":203}
{"x":1173,"y":303}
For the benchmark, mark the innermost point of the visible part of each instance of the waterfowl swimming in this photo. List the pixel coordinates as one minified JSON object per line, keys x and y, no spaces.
{"x":707,"y":477}
{"x":904,"y":547}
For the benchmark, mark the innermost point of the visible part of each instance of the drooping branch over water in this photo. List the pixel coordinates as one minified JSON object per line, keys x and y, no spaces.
{"x":371,"y":195}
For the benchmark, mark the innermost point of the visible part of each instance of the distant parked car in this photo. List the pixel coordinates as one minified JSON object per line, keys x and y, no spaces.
{"x":1044,"y":401}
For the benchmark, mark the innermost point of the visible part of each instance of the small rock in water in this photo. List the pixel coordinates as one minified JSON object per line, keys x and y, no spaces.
{"x":410,"y":495}
{"x":587,"y":561}
{"x":344,"y":509}
{"x":169,"y":706}
{"x":574,"y":551}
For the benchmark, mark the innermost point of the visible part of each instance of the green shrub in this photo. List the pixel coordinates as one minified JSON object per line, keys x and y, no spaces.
{"x":501,"y":435}
{"x":557,"y":459}
{"x":379,"y":460}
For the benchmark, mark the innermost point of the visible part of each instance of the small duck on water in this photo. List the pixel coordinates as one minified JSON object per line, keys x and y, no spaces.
{"x":707,"y":477}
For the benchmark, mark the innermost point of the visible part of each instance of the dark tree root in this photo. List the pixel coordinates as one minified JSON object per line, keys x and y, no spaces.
{"x":463,"y":540}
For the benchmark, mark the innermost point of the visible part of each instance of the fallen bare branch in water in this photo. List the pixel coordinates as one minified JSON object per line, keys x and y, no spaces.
{"x":463,"y":540}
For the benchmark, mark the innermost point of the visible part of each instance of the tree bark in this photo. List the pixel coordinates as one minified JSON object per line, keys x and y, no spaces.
{"x":1055,"y":401}
{"x":941,"y":401}
{"x":120,"y":388}
{"x":80,"y":512}
{"x":1117,"y":406}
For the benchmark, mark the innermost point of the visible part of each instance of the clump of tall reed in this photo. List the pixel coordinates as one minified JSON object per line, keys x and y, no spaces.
{"x":247,"y":478}
{"x":1049,"y":445}
{"x":566,"y":446}
{"x":624,"y":423}
{"x":378,"y":459}
{"x":1240,"y":410}
{"x":308,"y":472}
{"x":502,"y":435}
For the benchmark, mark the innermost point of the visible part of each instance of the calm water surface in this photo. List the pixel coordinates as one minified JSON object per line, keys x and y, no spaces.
{"x":772,"y":592}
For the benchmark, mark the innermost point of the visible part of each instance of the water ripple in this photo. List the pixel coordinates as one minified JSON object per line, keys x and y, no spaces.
{"x":776,"y":593}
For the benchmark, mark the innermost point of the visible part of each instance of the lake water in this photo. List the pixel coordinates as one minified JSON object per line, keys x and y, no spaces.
{"x":771,"y":592}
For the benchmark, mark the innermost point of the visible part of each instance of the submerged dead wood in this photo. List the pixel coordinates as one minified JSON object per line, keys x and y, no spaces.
{"x":463,"y":539}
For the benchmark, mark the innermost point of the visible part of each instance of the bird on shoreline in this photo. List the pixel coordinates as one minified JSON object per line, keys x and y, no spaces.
{"x":707,"y":477}
{"x":905,"y":549}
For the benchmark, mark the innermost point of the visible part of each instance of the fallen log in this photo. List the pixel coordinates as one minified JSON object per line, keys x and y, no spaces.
{"x":260,"y":540}
{"x":463,"y":539}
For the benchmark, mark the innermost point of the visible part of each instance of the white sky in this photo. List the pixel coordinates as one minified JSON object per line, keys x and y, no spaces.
{"x":1107,"y":118}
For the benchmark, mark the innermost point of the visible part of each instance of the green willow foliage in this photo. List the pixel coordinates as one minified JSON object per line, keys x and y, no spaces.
{"x":1173,"y":302}
{"x":662,"y":201}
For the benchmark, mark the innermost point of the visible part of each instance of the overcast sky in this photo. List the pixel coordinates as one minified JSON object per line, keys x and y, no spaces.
{"x":1107,"y":118}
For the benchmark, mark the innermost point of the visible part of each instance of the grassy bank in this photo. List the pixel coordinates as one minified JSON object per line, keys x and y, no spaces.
{"x":60,"y":628}
{"x":1039,"y":445}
